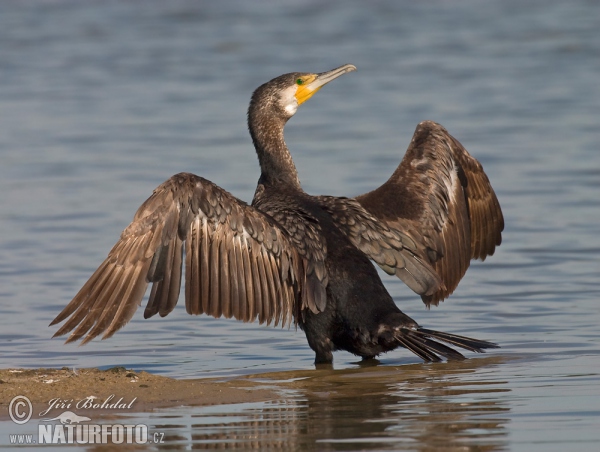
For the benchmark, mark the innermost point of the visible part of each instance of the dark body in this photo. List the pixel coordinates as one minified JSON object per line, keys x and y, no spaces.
{"x":359,"y":314}
{"x":292,"y":257}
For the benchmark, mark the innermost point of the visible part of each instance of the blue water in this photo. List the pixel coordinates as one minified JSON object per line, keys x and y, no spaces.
{"x":102,"y":101}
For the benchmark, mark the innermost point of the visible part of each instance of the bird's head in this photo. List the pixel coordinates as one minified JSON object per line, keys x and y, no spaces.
{"x":285,"y":93}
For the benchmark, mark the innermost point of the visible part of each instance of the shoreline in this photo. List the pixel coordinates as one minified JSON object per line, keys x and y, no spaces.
{"x":118,"y":391}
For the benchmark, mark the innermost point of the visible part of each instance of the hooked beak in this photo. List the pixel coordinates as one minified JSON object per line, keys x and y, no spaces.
{"x":314,"y":84}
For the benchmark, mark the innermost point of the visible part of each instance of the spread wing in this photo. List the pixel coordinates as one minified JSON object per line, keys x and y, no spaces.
{"x":441,"y":198}
{"x":393,"y":250}
{"x":305,"y":234}
{"x":238,"y":263}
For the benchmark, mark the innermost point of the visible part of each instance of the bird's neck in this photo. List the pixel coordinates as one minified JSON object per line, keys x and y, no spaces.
{"x":275,"y":160}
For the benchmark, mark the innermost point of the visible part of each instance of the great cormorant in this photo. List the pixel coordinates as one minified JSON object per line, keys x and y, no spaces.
{"x":292,"y":257}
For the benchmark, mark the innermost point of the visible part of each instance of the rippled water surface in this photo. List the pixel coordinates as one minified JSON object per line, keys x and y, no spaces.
{"x":102,"y":101}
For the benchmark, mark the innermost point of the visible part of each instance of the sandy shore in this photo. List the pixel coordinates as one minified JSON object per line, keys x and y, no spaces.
{"x":118,"y":390}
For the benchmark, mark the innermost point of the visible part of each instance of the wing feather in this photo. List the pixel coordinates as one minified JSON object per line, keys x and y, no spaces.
{"x":225,"y":277}
{"x":215,"y":263}
{"x":264,"y":300}
{"x":250,"y":279}
{"x":205,"y":267}
{"x":237,"y":277}
{"x":277,"y":292}
{"x":192,"y":269}
{"x":243,"y":296}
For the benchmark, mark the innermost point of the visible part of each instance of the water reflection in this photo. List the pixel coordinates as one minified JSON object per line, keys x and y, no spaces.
{"x":417,"y":407}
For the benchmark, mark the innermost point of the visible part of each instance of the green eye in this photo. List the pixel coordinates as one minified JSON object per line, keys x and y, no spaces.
{"x":299,"y":81}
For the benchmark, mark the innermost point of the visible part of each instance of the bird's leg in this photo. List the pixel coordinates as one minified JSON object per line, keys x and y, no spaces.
{"x":323,"y":355}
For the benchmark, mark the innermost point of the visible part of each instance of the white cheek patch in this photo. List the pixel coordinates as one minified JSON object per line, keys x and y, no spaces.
{"x":292,"y":107}
{"x":288,"y":100}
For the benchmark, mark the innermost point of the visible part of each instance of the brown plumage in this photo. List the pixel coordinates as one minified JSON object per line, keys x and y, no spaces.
{"x":440,"y":196}
{"x":291,"y":257}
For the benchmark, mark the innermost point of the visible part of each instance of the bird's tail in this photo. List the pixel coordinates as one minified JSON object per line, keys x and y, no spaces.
{"x":424,"y":343}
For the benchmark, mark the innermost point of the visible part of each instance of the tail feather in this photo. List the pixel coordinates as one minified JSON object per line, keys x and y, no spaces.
{"x":468,"y":343}
{"x":423,"y":343}
{"x":423,"y":351}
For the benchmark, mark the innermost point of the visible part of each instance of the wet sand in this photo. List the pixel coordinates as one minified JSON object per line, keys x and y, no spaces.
{"x":138,"y":391}
{"x":120,"y":391}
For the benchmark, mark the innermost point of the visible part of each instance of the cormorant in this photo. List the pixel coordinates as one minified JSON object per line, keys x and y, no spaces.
{"x":292,"y":257}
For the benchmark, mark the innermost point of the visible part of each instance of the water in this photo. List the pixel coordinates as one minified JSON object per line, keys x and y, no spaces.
{"x":102,"y":101}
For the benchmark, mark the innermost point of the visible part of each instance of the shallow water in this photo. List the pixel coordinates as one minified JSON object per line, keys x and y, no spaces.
{"x":100,"y":102}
